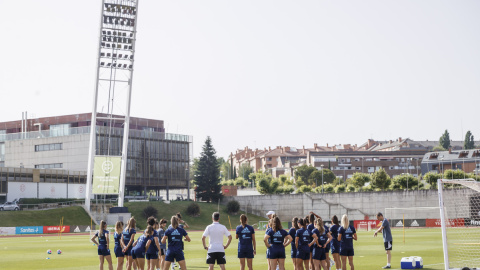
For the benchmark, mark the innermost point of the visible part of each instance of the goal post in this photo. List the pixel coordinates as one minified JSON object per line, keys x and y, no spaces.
{"x":459,"y":203}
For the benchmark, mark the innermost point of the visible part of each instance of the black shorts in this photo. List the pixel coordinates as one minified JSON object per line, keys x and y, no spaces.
{"x":218,"y":257}
{"x":388,"y":245}
{"x":163,"y":252}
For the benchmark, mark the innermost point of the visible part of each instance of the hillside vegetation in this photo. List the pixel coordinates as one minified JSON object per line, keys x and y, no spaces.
{"x":196,"y":223}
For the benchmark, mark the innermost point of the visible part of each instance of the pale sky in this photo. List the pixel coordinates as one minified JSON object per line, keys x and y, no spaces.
{"x":259,"y":73}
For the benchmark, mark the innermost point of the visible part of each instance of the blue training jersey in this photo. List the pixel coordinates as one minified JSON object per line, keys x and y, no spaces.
{"x":102,"y":239}
{"x":267,"y":232}
{"x":117,"y":238}
{"x":245,"y":236}
{"x":153,"y":246}
{"x":347,"y":237}
{"x":161,"y":233}
{"x":304,"y":237}
{"x":142,"y":243}
{"x":310,"y":227}
{"x":327,"y":230}
{"x":292,"y":233}
{"x":127,"y":234}
{"x":277,"y":238}
{"x":175,"y":238}
{"x":334,"y":231}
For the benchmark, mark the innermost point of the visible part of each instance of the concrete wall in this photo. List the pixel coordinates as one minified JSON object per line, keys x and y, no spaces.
{"x":73,"y":156}
{"x":357,"y":205}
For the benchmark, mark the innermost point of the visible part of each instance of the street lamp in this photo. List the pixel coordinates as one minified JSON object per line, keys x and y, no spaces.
{"x":322,"y":176}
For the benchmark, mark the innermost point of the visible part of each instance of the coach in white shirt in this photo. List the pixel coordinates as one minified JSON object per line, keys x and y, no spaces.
{"x":216,"y":249}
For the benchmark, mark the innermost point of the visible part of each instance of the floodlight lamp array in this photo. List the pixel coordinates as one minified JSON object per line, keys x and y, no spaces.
{"x":118,"y":34}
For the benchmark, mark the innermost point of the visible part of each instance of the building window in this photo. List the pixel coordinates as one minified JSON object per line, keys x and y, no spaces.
{"x":371,"y":169}
{"x":60,"y":130}
{"x":269,"y":159}
{"x":49,"y":166}
{"x":48,"y":147}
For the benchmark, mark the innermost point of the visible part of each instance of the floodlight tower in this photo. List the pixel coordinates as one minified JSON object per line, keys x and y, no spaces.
{"x":113,"y":88}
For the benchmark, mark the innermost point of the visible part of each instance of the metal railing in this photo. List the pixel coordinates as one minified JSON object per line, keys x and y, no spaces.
{"x":133,"y":133}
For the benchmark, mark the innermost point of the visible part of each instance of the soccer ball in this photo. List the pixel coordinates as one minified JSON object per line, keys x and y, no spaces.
{"x":49,"y":251}
{"x":59,"y":252}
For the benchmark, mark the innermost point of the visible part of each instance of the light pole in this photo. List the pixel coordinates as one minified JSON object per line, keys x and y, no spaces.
{"x":188,"y":182}
{"x":406,"y":175}
{"x":442,"y":165}
{"x":322,"y":176}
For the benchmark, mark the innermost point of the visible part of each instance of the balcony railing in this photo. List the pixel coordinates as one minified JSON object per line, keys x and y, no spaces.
{"x":100,"y":130}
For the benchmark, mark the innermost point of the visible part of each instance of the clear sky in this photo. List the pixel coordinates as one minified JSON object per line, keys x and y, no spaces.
{"x":259,"y":73}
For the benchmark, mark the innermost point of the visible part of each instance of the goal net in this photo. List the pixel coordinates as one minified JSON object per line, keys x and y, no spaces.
{"x":366,"y":226}
{"x":460,"y":220}
{"x":411,"y":217}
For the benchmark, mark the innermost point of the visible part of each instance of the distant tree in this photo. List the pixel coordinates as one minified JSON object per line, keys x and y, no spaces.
{"x":266,"y":184}
{"x":328,"y":176}
{"x":469,"y":142}
{"x":234,"y":173}
{"x":194,"y":167}
{"x":438,"y":148}
{"x":340,"y":188}
{"x":304,"y":189}
{"x":224,"y":168}
{"x":432,"y":178}
{"x":253,"y":177}
{"x":380,"y":179}
{"x":231,"y":168}
{"x":405,"y":180}
{"x":360,"y":179}
{"x":454,"y":174}
{"x":244,"y":171}
{"x":207,"y":174}
{"x":315,"y":178}
{"x":304,"y":172}
{"x":283,"y":179}
{"x":445,"y":140}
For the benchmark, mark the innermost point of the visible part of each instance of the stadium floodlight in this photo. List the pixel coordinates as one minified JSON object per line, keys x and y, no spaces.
{"x":117,"y":38}
{"x":459,"y":202}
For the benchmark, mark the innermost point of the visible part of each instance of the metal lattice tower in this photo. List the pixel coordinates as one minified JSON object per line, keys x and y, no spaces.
{"x":113,"y":88}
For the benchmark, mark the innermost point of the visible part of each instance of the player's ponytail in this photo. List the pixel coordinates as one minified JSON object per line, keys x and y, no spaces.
{"x":149,"y":231}
{"x":119,"y":227}
{"x":302,"y":222}
{"x":131,"y":224}
{"x":174,"y":221}
{"x":319,"y":225}
{"x":295,"y":223}
{"x":276,"y":224}
{"x":345,"y":222}
{"x":243,"y":220}
{"x":312,"y":218}
{"x":103,"y":224}
{"x":335,"y":219}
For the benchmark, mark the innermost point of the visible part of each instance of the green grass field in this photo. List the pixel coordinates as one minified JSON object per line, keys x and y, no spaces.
{"x":74,"y":215}
{"x":79,"y":253}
